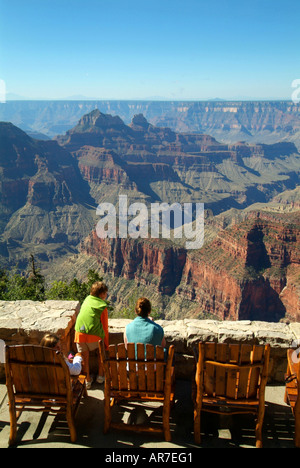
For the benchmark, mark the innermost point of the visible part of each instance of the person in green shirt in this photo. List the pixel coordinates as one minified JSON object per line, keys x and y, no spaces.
{"x":91,"y":326}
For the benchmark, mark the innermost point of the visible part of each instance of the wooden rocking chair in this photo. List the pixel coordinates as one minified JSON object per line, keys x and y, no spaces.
{"x":292,"y":389}
{"x":143,"y":377}
{"x":231,"y":378}
{"x":38,"y":379}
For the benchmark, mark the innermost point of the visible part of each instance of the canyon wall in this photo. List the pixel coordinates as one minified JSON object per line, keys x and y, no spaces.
{"x":261,"y":121}
{"x":248,"y":272}
{"x":49,"y":191}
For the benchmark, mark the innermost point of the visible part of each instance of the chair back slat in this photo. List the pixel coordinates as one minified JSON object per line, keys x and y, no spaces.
{"x":244,"y":372}
{"x":132,"y":366}
{"x":112,"y":351}
{"x":122,"y":358}
{"x":234,"y":353}
{"x":160,"y":369}
{"x":255,"y":376}
{"x":232,"y":377}
{"x":210,"y":355}
{"x":220,"y":372}
{"x":141,"y":367}
{"x":151,"y":381}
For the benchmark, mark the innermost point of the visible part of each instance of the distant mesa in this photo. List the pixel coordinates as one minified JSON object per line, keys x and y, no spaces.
{"x":98,"y":120}
{"x":228,"y":121}
{"x":139,"y":121}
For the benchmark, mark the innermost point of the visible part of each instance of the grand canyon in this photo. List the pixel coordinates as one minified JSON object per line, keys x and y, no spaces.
{"x":240,"y":159}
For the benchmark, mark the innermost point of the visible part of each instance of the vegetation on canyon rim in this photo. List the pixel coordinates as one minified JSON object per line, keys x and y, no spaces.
{"x":32,"y":286}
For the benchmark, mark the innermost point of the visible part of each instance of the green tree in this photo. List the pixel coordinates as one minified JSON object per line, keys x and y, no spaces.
{"x":15,"y":286}
{"x":3,"y":283}
{"x":74,"y":290}
{"x":31,"y":285}
{"x":59,"y":290}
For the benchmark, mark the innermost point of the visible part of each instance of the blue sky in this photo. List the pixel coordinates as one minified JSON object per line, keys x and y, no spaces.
{"x":129,"y":49}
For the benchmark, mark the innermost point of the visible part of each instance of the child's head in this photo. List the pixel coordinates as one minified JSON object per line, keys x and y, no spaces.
{"x":143,"y":307}
{"x":50,"y":341}
{"x":99,"y":289}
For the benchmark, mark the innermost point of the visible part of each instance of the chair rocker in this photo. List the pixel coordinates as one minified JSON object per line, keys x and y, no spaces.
{"x":230,"y":378}
{"x":292,"y":389}
{"x":38,"y":379}
{"x":142,"y":375}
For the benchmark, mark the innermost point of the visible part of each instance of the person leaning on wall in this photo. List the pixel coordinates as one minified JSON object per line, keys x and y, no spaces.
{"x":143,"y":329}
{"x":91,"y":326}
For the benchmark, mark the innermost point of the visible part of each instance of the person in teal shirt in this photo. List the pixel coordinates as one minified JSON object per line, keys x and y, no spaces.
{"x":143,"y":329}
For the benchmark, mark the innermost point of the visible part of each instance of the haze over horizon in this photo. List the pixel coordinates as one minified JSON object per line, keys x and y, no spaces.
{"x":81,"y":98}
{"x":163,"y":50}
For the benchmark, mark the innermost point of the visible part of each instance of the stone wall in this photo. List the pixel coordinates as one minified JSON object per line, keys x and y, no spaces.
{"x":185,"y":334}
{"x":27,"y":322}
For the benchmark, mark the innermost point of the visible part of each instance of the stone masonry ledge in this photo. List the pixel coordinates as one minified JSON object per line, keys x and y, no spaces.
{"x":185,"y":334}
{"x":25,"y":322}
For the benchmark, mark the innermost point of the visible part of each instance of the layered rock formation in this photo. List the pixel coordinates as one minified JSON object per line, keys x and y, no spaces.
{"x":40,"y":173}
{"x":266,"y":121}
{"x":248,"y":272}
{"x":231,"y":121}
{"x":50,"y":189}
{"x":163,"y":165}
{"x":241,"y":274}
{"x":43,"y":197}
{"x":143,"y":261}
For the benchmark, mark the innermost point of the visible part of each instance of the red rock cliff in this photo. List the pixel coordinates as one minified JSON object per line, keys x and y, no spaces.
{"x":141,"y":260}
{"x":248,"y":272}
{"x":241,"y":274}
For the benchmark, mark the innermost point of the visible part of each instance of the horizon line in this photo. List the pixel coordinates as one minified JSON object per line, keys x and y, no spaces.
{"x":214,"y":100}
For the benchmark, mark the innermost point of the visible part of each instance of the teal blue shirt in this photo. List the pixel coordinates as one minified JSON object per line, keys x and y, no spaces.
{"x":144,"y":330}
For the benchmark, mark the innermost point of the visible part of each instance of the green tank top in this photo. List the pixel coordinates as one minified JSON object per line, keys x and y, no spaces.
{"x":89,"y":317}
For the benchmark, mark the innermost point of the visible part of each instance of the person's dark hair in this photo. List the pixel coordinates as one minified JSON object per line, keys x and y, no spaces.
{"x":98,"y":288}
{"x":143,"y":307}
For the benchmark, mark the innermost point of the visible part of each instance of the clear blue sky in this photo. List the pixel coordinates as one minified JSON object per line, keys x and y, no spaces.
{"x":173,"y":49}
